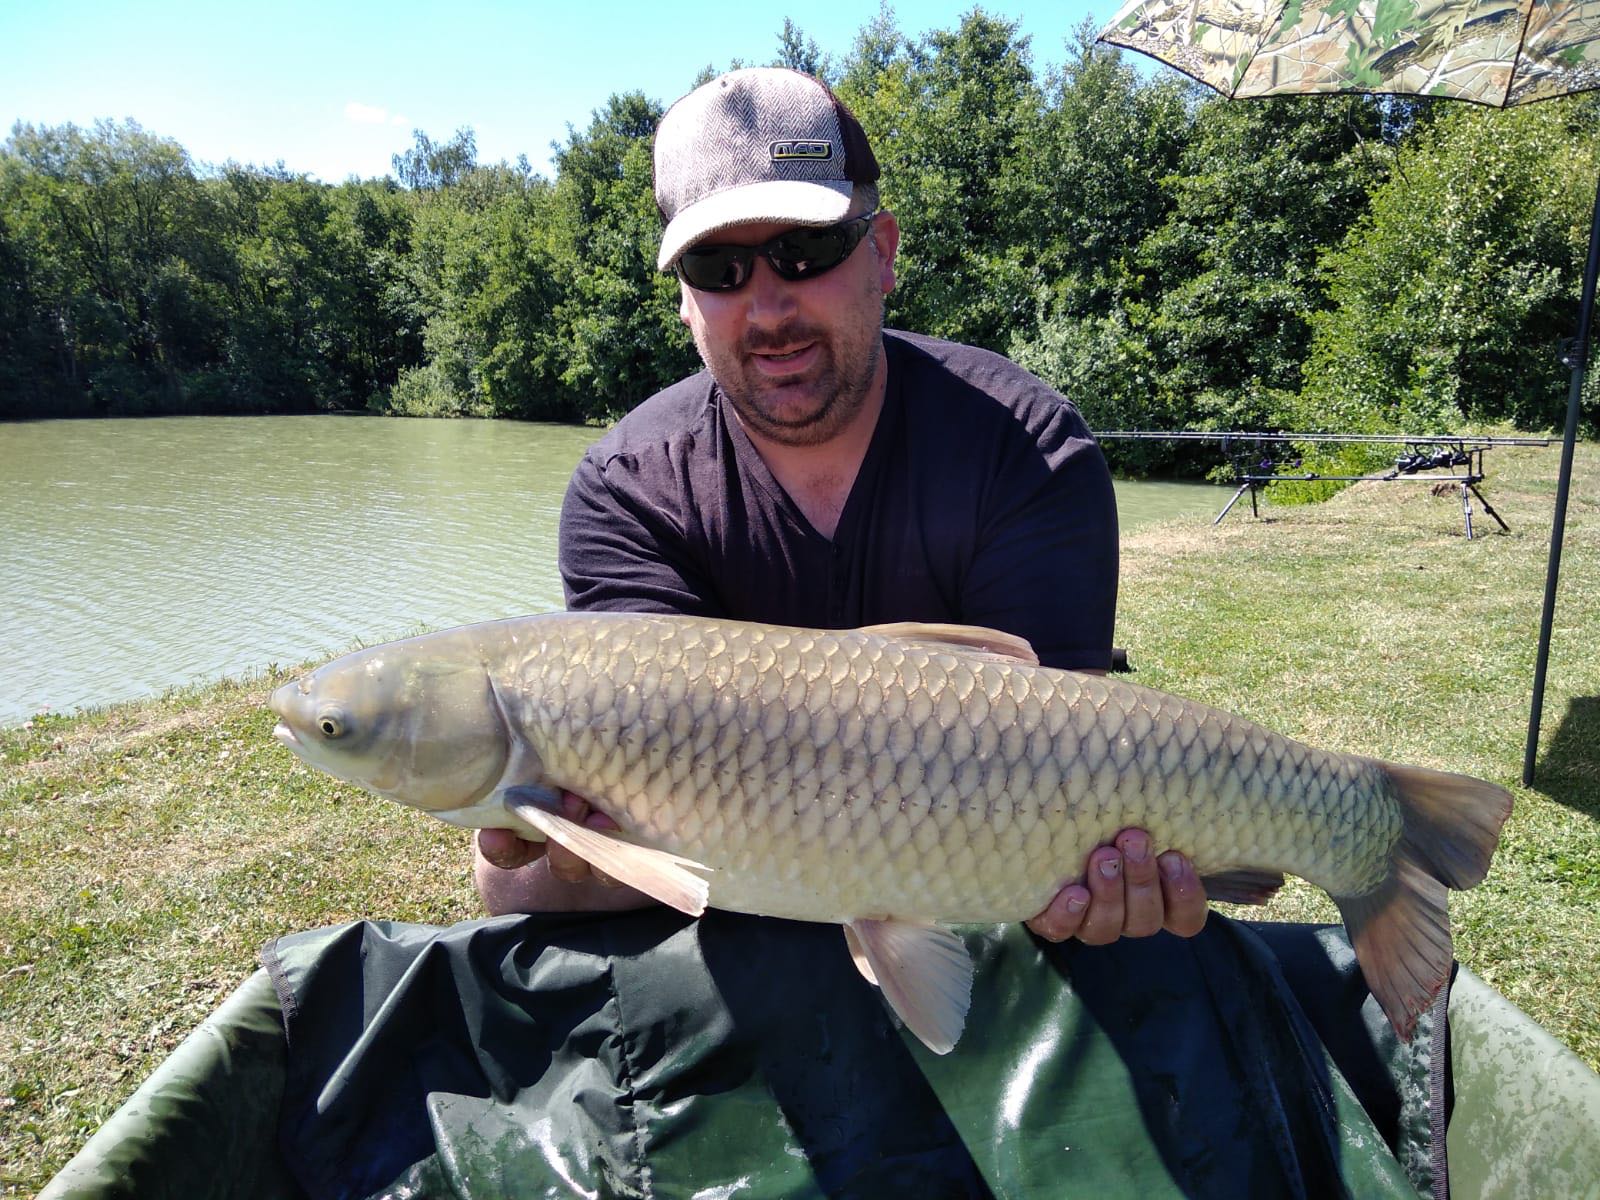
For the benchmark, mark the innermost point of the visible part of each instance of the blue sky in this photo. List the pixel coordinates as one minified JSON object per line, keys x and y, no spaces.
{"x":335,"y":89}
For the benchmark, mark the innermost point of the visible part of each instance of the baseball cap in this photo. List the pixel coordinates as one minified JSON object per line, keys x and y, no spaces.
{"x":756,"y":145}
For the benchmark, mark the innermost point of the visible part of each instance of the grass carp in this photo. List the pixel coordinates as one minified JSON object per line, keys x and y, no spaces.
{"x":891,"y":779}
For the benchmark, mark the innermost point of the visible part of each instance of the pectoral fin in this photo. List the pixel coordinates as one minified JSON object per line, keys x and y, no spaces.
{"x":666,"y":877}
{"x":925,"y":973}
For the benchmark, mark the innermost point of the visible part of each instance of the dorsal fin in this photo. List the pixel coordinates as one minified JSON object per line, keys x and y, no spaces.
{"x":972,"y":640}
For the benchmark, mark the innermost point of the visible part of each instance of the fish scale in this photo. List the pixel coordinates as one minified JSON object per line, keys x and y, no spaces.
{"x":1073,"y":787}
{"x":888,"y":779}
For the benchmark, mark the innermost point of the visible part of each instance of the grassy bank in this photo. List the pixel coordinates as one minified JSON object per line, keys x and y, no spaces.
{"x":147,"y":852}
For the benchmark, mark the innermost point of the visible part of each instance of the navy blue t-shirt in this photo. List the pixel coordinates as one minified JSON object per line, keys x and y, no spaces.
{"x":983,"y":499}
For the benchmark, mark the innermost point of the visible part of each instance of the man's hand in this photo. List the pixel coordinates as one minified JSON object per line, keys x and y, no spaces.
{"x":1126,"y":892}
{"x":516,"y":875}
{"x":506,"y":850}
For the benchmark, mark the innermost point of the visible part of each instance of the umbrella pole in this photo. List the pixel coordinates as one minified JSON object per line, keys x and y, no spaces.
{"x":1580,"y":356}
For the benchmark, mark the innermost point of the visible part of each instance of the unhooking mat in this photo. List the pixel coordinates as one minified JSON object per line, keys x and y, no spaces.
{"x":648,"y":1055}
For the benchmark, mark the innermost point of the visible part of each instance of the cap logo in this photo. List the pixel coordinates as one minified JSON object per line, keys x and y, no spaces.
{"x":799,"y":149}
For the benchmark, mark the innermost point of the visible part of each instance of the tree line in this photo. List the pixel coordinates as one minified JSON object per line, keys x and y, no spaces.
{"x":1166,"y":258}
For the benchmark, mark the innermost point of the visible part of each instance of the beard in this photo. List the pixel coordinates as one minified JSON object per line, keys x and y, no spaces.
{"x":816,"y":405}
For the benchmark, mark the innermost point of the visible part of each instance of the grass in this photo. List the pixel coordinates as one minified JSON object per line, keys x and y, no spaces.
{"x":148,"y":851}
{"x":146,"y":855}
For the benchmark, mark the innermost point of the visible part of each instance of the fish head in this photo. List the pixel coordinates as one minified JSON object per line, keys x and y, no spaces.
{"x":414,"y":724}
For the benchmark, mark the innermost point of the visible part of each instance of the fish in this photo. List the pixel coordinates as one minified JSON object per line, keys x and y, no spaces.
{"x":895,"y":780}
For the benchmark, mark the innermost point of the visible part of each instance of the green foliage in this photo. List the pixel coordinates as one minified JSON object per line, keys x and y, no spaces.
{"x":618,"y":317}
{"x":1184,"y":241}
{"x":116,"y":219}
{"x":1103,"y":367}
{"x":541,"y":301}
{"x":444,"y":273}
{"x":441,"y":387}
{"x":1106,"y":140}
{"x":447,"y":384}
{"x":800,"y":53}
{"x":1450,"y":298}
{"x":954,"y":120}
{"x":290,"y":291}
{"x":1260,"y":189}
{"x":515,"y":309}
{"x":430,"y":165}
{"x":36,"y":375}
{"x":1168,"y":259}
{"x":877,"y":46}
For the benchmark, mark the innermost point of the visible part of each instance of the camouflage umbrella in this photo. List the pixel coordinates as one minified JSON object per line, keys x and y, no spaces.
{"x":1492,"y":52}
{"x":1495,"y":52}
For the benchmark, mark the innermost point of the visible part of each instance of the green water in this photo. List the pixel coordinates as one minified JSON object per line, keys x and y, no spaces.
{"x":143,"y":554}
{"x":1144,"y":501}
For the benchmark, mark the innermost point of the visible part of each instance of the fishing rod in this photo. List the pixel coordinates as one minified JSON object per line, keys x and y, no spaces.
{"x":1429,"y":439}
{"x":1462,"y":450}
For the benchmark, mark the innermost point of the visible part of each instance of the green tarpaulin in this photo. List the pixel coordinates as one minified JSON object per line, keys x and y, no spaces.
{"x":648,"y":1055}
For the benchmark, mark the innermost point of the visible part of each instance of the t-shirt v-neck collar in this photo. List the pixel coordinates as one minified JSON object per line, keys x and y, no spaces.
{"x":755,"y":468}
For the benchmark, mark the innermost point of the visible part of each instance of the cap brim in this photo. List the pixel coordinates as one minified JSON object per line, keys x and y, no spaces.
{"x":792,"y":201}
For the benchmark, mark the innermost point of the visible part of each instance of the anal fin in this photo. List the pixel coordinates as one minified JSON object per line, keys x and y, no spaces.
{"x":925,"y":973}
{"x":669,"y":878}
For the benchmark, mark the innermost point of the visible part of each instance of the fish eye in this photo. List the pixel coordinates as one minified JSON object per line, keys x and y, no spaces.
{"x":331,"y":723}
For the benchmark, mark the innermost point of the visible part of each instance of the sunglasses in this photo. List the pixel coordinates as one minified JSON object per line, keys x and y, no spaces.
{"x":802,"y":253}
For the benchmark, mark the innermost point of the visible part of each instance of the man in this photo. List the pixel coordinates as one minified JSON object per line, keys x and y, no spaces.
{"x":823,"y":473}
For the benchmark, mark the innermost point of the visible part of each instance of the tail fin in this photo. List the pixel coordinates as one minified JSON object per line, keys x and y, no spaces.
{"x":1401,"y":929}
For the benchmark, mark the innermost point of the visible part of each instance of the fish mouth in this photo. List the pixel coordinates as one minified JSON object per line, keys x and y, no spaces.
{"x":286,"y":735}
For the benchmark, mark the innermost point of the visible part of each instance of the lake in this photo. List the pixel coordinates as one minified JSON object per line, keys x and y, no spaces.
{"x":143,"y":554}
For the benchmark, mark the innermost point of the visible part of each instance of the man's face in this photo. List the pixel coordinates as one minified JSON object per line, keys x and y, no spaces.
{"x":798,"y":360}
